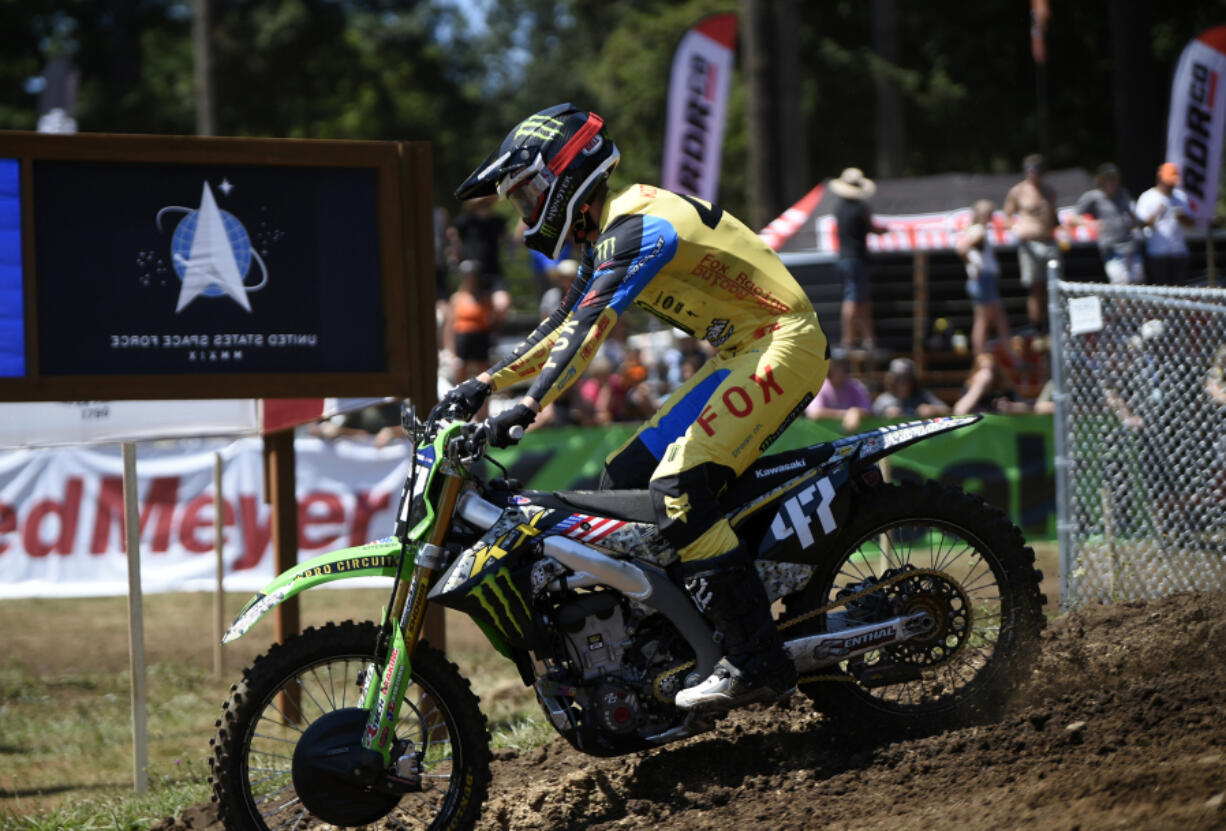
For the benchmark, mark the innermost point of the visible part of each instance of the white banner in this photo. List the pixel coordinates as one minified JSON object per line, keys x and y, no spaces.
{"x":940,"y":230}
{"x":48,"y":424}
{"x":61,"y":513}
{"x":56,"y":423}
{"x":697,"y":107}
{"x":1197,"y":122}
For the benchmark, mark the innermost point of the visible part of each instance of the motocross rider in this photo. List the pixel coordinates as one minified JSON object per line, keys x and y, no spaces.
{"x":701,"y":270}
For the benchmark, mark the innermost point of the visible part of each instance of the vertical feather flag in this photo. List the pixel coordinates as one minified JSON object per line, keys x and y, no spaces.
{"x":697,"y":106}
{"x":1196,"y":126}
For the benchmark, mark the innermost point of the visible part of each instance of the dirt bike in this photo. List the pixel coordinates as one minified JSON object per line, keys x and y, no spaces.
{"x":905,"y":607}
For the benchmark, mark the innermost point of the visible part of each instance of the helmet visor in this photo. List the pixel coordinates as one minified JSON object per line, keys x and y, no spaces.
{"x":526,"y":188}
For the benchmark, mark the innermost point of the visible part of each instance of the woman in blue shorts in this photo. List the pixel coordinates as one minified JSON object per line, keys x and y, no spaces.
{"x":982,"y":278}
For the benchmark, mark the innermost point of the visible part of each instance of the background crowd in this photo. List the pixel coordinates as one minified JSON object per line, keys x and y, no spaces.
{"x":480,"y":316}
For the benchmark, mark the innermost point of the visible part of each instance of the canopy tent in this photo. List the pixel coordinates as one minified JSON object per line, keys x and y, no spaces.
{"x":922,"y":212}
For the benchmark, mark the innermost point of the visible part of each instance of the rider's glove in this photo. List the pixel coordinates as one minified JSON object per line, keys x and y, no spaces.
{"x":465,"y":399}
{"x":499,"y":427}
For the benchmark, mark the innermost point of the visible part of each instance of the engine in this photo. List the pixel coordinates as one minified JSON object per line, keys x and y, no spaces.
{"x":615,"y":673}
{"x":595,"y":629}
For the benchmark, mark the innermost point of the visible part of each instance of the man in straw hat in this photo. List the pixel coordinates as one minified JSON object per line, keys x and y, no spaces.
{"x":855,"y":223}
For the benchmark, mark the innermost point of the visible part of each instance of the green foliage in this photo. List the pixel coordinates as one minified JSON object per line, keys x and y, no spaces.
{"x":418,"y":69}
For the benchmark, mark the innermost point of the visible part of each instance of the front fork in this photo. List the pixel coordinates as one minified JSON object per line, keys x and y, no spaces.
{"x":385,"y":687}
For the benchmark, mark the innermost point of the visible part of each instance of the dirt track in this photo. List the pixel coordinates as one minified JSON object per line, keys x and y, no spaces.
{"x":1120,"y":726}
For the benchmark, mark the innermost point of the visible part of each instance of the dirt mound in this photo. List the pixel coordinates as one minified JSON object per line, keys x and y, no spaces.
{"x":1119,"y":726}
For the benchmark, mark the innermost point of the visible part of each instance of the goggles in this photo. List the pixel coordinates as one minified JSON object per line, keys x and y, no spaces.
{"x":526,"y":188}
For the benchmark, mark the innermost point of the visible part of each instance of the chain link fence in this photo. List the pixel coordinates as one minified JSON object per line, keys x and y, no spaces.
{"x":1139,"y":375}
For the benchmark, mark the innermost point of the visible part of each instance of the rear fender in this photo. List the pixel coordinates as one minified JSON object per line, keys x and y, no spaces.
{"x":865,"y":449}
{"x":816,"y":504}
{"x":374,"y":559}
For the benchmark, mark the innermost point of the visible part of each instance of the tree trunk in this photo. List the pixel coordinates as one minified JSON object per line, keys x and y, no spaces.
{"x":1140,"y":122}
{"x":891,"y":132}
{"x":778,"y":172}
{"x":206,"y":102}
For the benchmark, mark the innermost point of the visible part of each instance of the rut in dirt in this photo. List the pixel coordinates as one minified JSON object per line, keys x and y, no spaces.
{"x":1120,"y":724}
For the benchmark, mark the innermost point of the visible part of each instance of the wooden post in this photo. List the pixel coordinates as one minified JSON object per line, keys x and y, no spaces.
{"x":136,"y":624}
{"x":279,"y":473}
{"x":219,"y":592}
{"x":434,"y":629}
{"x":279,"y":476}
{"x":919,"y":311}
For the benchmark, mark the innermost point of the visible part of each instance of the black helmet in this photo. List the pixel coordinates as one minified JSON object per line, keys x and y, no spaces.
{"x":547,"y":167}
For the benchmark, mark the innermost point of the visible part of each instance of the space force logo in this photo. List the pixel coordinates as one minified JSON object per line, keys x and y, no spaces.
{"x":212,"y":253}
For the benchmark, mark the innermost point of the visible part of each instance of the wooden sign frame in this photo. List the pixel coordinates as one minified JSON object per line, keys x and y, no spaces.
{"x":405,"y":254}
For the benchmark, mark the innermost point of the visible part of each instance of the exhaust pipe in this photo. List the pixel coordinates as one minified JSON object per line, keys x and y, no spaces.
{"x":618,"y":574}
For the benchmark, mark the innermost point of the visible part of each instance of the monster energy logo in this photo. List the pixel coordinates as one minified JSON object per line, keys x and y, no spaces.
{"x":538,"y":126}
{"x":605,"y":249}
{"x":489,"y":587}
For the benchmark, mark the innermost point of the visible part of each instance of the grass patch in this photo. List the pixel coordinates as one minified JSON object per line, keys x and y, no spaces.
{"x":65,"y":729}
{"x":65,"y":723}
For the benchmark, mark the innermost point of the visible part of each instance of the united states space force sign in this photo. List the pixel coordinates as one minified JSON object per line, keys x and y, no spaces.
{"x":147,"y":268}
{"x":211,"y":252}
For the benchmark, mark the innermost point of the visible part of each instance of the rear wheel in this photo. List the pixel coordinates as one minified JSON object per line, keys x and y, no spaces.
{"x":303,"y":698}
{"x":923,"y":548}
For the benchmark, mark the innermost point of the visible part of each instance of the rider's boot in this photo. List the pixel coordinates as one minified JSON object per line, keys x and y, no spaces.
{"x":754,"y":667}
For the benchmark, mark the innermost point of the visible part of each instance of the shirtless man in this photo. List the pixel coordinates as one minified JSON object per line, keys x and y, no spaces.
{"x":1031,"y":204}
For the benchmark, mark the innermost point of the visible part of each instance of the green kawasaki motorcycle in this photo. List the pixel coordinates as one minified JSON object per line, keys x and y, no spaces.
{"x":905,"y":607}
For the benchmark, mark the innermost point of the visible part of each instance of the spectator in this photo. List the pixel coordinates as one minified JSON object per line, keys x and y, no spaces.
{"x":855,"y":222}
{"x":1163,"y":213}
{"x":561,"y":275}
{"x":903,"y":395}
{"x":988,"y":390}
{"x":1031,"y":204}
{"x":683,"y":359}
{"x":1215,"y":386}
{"x":641,"y":403}
{"x":479,"y":234}
{"x":442,"y":291}
{"x":842,"y":396}
{"x":544,"y":278}
{"x":472,"y":319}
{"x":1045,"y":404}
{"x":982,"y":278}
{"x":616,"y":343}
{"x":603,"y":392}
{"x":380,"y":423}
{"x":1112,"y":209}
{"x":564,"y":411}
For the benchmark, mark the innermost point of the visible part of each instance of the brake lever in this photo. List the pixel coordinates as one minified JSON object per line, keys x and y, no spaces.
{"x":477,"y":436}
{"x":472,"y":441}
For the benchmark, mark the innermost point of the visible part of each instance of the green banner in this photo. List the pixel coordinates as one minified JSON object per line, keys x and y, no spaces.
{"x":1005,"y":459}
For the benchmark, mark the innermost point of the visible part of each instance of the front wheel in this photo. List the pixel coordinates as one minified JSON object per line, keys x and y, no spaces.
{"x":319,"y":674}
{"x":931,"y":548}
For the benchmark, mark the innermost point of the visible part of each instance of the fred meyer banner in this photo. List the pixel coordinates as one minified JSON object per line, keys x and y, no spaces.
{"x":61,"y":511}
{"x":1197,"y":122}
{"x":697,"y":107}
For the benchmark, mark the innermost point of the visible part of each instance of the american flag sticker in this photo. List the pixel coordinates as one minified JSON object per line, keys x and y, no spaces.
{"x":587,"y":528}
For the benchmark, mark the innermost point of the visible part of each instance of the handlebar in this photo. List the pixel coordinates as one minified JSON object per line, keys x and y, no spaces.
{"x":472,"y":441}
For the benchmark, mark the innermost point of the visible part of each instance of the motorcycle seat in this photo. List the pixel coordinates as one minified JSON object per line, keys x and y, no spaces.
{"x":630,"y":505}
{"x":765,"y":474}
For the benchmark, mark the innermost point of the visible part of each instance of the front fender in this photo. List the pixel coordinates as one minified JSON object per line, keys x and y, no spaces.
{"x":374,"y":559}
